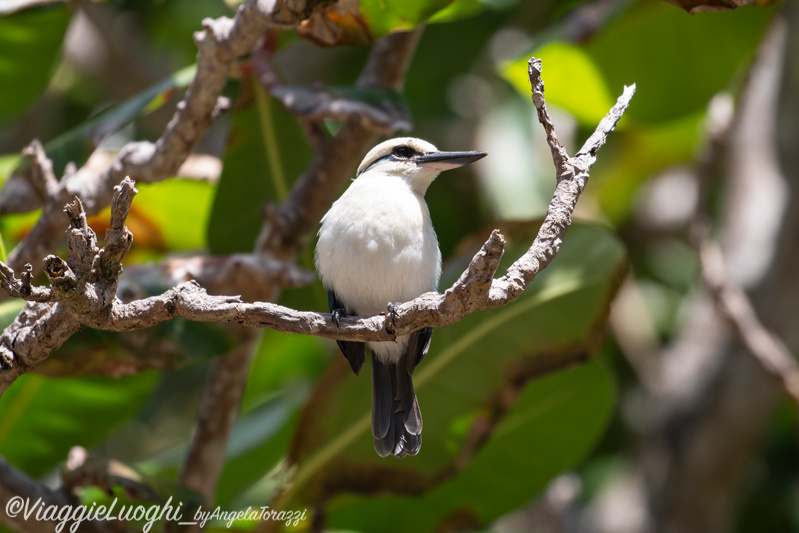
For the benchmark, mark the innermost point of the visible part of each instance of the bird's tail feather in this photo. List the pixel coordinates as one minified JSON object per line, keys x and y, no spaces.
{"x":396,"y":418}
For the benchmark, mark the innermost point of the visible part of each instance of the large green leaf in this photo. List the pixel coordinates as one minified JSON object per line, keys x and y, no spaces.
{"x":470,"y":362}
{"x":555,"y":422}
{"x":267,"y":151}
{"x":259,"y":442}
{"x":278,"y":386}
{"x":42,"y":418}
{"x":675,"y":76}
{"x":30,"y":43}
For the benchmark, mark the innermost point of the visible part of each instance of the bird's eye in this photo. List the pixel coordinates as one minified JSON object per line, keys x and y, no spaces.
{"x":403,"y":152}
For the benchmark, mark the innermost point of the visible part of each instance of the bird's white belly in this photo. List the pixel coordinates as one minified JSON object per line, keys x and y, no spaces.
{"x":378,"y":246}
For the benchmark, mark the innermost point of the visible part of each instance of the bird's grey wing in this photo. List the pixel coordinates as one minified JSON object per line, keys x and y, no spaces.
{"x":418,"y":345}
{"x":355,"y":352}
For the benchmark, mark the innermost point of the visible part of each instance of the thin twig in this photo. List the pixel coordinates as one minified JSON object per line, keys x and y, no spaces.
{"x":772,"y":354}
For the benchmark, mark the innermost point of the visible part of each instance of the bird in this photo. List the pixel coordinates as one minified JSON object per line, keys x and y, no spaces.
{"x":376,"y":248}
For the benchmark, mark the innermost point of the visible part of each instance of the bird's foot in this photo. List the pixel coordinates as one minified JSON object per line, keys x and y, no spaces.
{"x":392,"y":315}
{"x":335,"y":314}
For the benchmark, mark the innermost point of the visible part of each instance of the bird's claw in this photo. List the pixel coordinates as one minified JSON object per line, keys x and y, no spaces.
{"x":335,"y":314}
{"x":392,"y":314}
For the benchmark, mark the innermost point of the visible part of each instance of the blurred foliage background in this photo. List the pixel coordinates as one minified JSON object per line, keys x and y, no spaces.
{"x":547,"y":375}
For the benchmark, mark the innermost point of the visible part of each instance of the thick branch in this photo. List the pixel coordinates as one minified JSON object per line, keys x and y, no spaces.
{"x":14,"y":487}
{"x":220,"y":43}
{"x":217,"y":415}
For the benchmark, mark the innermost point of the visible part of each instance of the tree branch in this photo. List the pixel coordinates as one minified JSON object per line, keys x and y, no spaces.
{"x":220,"y":43}
{"x":15,"y":484}
{"x":733,"y":303}
{"x":475,"y":289}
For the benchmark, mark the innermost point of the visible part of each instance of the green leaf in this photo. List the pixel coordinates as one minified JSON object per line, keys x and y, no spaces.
{"x":458,"y":10}
{"x":675,"y":76}
{"x":30,"y":44}
{"x":7,"y":165}
{"x":278,"y":387}
{"x":555,"y":422}
{"x":461,"y":9}
{"x":267,"y":151}
{"x":180,"y":224}
{"x":470,"y":361}
{"x":42,"y":418}
{"x":386,"y":16}
{"x":571,"y":78}
{"x":77,"y":144}
{"x":283,"y":360}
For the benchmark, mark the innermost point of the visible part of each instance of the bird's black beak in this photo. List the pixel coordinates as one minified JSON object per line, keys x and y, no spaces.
{"x":448,"y":160}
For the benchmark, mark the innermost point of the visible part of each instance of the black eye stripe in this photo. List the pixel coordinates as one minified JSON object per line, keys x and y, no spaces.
{"x":404,"y":152}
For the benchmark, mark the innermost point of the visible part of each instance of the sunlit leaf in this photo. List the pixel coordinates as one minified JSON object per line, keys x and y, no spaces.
{"x":7,"y":164}
{"x":457,"y":10}
{"x":572,"y":81}
{"x":461,"y":9}
{"x":9,"y":309}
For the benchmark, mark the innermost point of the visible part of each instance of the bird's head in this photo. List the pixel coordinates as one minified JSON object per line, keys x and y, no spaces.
{"x":418,"y":162}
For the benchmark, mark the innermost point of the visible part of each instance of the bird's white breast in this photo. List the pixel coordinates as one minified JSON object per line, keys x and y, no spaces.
{"x":377,"y":245}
